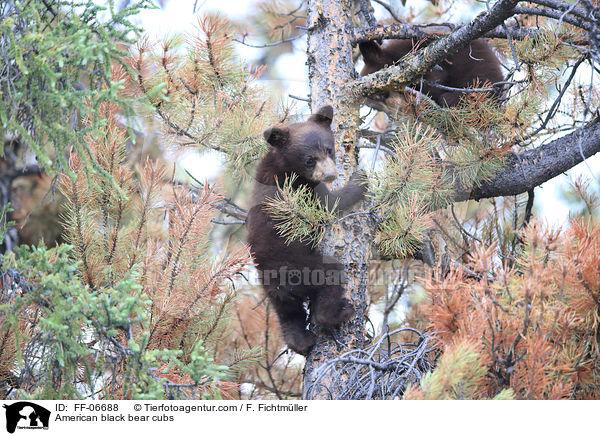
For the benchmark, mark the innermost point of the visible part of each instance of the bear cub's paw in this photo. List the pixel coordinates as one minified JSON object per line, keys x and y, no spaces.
{"x":360,"y":178}
{"x":332,"y":317}
{"x":300,"y":341}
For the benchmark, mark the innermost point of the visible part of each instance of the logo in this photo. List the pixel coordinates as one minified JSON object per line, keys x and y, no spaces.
{"x":26,"y":415}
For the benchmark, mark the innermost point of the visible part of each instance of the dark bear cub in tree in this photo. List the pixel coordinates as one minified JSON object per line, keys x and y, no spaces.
{"x":474,"y":64}
{"x":296,"y":273}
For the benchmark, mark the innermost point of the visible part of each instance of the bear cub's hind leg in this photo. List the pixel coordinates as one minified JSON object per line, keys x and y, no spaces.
{"x":292,"y":320}
{"x":331,"y":307}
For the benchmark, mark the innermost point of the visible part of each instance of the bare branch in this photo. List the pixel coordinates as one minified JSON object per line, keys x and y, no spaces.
{"x":401,"y":31}
{"x":295,"y":97}
{"x":227,"y":206}
{"x":380,"y":371}
{"x":408,"y":31}
{"x":550,"y":13}
{"x":389,"y":9}
{"x":224,"y":222}
{"x":269,"y":44}
{"x":571,"y":8}
{"x":554,"y":108}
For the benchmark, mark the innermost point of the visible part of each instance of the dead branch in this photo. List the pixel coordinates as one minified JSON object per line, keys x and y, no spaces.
{"x":381,"y":371}
{"x":226,"y":206}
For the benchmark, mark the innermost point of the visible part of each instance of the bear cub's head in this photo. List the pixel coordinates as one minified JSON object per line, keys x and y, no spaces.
{"x":377,"y":56}
{"x":306,"y":148}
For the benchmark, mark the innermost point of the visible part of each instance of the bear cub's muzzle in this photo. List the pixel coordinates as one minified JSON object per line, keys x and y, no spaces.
{"x":325,"y":170}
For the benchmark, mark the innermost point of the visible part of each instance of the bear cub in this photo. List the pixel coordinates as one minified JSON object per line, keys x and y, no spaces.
{"x":294,"y":274}
{"x":474,"y":64}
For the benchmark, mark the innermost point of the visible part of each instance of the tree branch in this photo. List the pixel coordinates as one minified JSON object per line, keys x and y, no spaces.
{"x":408,"y":31}
{"x":557,"y":15}
{"x":571,"y":8}
{"x":389,"y":9}
{"x":226,"y":206}
{"x":524,"y":171}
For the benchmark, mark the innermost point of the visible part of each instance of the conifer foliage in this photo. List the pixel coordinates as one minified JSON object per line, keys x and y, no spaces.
{"x":136,"y":305}
{"x":527,"y":331}
{"x":145,"y":301}
{"x":56,"y":57}
{"x":204,"y":96}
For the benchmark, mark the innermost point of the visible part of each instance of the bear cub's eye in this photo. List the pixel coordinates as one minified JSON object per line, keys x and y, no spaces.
{"x":330,"y":152}
{"x":310,"y":161}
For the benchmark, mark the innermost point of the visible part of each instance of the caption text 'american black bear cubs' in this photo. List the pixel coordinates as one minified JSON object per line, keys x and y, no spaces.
{"x":292,"y":274}
{"x":472,"y":65}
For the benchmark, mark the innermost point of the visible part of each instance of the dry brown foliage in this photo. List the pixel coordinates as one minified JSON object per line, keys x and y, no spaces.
{"x":535,"y":324}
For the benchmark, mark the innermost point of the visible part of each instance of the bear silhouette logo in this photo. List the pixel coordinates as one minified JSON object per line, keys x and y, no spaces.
{"x":26,"y":415}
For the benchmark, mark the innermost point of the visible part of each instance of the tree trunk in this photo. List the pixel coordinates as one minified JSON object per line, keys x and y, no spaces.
{"x":330,"y":67}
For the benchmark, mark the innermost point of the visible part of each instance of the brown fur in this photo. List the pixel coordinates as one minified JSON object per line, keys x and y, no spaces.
{"x":292,"y":147}
{"x":472,"y":65}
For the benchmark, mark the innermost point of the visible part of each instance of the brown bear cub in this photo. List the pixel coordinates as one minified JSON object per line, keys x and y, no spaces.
{"x":296,"y":273}
{"x":472,"y":65}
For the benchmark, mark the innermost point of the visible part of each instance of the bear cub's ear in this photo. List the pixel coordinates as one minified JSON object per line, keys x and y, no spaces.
{"x":277,"y":136}
{"x":323,"y":116}
{"x":371,"y":52}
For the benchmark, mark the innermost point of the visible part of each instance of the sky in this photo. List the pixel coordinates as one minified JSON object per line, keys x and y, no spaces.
{"x":178,"y":16}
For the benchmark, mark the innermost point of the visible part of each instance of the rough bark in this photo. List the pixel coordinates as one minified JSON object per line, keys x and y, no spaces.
{"x":330,"y":67}
{"x":406,"y":31}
